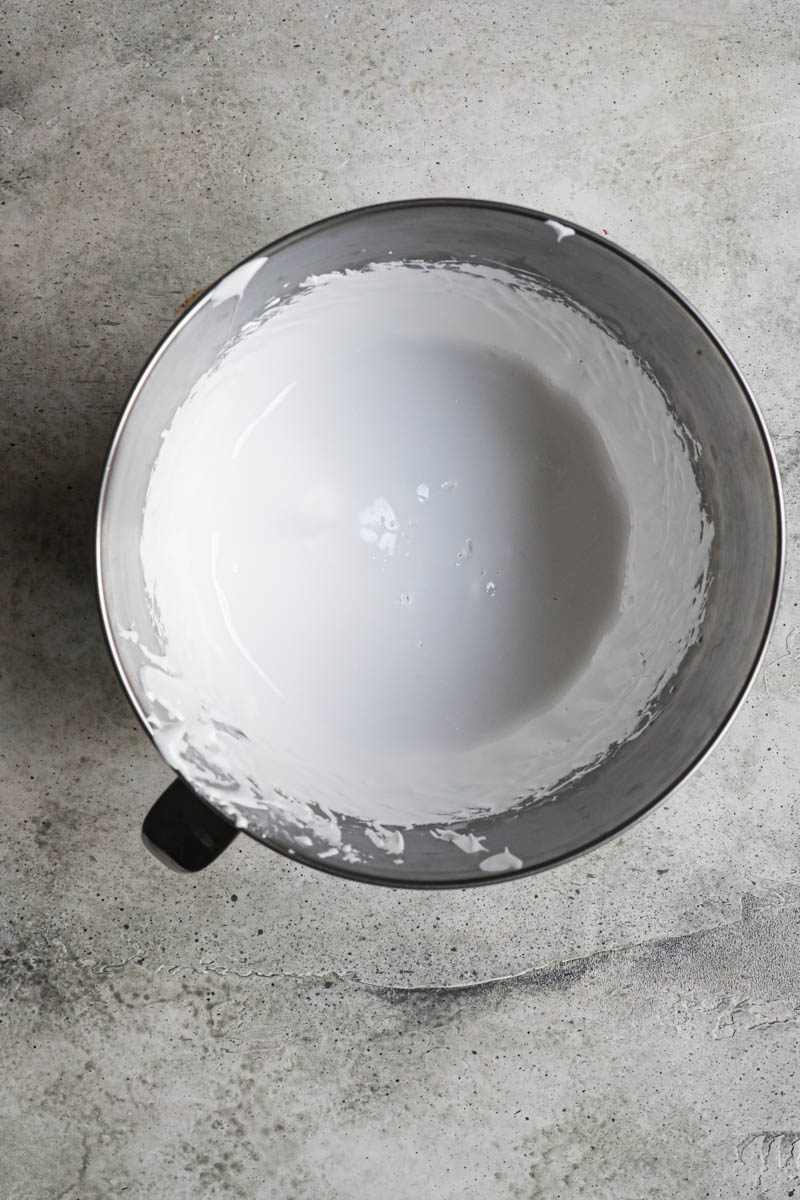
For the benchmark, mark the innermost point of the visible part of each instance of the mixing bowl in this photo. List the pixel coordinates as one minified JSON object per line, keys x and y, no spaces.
{"x":437,"y":543}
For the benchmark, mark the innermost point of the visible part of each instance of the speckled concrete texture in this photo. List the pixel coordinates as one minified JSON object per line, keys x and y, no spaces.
{"x":261,"y":1030}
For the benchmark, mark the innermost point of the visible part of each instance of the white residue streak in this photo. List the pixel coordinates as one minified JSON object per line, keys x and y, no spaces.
{"x":467,"y":842}
{"x":561,"y":231}
{"x":130,"y":635}
{"x":286,"y":532}
{"x":505,"y":861}
{"x":389,"y":840}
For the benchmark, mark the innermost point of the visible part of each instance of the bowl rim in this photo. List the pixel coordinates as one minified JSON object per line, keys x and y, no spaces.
{"x":472,"y":877}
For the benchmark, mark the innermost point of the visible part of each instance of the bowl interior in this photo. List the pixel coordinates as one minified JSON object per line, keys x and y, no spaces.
{"x":735,"y":473}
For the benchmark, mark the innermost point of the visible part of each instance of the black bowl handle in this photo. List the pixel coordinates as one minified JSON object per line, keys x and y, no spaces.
{"x":183,"y":832}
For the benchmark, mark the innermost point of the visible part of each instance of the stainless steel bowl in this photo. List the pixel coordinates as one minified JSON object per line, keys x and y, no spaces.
{"x":736,"y":471}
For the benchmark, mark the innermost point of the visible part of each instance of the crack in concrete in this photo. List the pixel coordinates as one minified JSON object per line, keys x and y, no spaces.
{"x":548,"y":974}
{"x":74,"y":1189}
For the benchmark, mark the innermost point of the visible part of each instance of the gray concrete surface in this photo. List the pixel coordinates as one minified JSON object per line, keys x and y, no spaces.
{"x":261,"y":1030}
